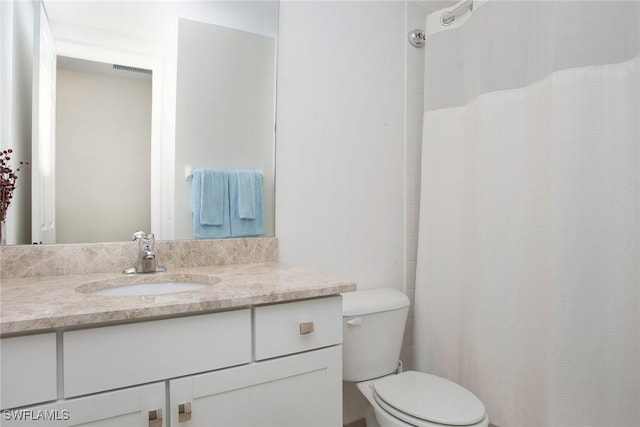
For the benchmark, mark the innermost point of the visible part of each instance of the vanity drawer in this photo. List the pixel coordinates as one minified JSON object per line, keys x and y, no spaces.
{"x":297,"y":326}
{"x":118,"y":356}
{"x":28,"y":370}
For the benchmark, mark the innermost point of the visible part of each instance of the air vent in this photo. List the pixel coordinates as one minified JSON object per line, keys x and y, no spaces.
{"x":132,"y":69}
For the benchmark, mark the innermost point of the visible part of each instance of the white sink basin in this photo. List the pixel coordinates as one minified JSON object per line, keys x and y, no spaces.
{"x":149,"y":289}
{"x":151,"y":284}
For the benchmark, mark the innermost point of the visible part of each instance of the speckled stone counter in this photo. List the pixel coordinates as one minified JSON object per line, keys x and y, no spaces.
{"x":45,"y":303}
{"x":49,"y":260}
{"x":238,"y":273}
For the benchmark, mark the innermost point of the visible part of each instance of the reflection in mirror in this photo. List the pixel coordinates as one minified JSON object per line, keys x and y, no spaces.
{"x":103,"y":151}
{"x":225,"y":108}
{"x":146,"y":35}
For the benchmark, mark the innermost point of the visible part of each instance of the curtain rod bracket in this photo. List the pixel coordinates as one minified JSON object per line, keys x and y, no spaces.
{"x":417,"y":38}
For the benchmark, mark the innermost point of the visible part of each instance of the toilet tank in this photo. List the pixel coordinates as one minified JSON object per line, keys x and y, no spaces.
{"x":373,"y":327}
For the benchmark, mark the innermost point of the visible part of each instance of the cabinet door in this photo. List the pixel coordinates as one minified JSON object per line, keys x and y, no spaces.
{"x":28,"y":370}
{"x":294,"y":391}
{"x":142,"y":406}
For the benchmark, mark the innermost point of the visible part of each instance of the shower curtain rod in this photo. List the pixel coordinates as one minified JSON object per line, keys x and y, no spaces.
{"x":418,"y":37}
{"x":447,"y":18}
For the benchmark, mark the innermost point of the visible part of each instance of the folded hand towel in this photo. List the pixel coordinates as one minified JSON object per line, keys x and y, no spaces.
{"x":244,"y":227}
{"x":246,"y":194}
{"x":210,"y":204}
{"x":213,"y":190}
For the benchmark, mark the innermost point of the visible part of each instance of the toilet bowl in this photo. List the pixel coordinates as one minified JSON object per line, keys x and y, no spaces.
{"x":373,"y":325}
{"x":422,"y":400}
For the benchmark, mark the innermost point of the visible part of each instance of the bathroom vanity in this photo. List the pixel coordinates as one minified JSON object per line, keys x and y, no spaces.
{"x":259,"y":346}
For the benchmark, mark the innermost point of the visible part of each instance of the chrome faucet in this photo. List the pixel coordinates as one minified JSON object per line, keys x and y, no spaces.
{"x":146,"y":262}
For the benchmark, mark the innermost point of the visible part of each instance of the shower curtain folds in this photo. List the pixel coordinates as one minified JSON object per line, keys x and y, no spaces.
{"x":528,"y":272}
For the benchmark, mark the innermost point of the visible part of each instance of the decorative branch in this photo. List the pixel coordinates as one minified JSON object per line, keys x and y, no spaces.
{"x":8,"y":178}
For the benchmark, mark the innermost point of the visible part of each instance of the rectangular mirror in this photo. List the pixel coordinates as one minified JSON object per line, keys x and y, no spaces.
{"x":212,"y":105}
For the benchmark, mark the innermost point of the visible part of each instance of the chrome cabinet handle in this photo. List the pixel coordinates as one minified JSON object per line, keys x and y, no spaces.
{"x":184,"y":412}
{"x":155,"y":418}
{"x":306,"y":328}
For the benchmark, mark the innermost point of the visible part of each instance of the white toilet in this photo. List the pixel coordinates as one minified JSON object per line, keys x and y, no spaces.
{"x":373,"y":322}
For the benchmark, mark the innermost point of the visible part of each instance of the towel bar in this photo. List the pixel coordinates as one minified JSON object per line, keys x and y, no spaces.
{"x":188,"y":173}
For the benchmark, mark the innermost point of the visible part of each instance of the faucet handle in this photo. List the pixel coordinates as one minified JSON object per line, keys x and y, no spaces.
{"x":146,"y":241}
{"x":139,"y":235}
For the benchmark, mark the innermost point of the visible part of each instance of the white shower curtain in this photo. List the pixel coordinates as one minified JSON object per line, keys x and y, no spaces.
{"x":528,"y":272}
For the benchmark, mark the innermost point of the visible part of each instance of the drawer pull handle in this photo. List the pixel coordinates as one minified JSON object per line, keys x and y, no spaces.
{"x":184,"y":412}
{"x":306,"y":328}
{"x":155,"y":418}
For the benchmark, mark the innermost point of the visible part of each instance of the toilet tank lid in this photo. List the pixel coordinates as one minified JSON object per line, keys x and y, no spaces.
{"x":372,"y":301}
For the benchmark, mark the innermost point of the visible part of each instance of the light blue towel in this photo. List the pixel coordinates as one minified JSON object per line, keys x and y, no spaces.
{"x":210,"y":204}
{"x":246,"y":194}
{"x":213,"y":196}
{"x":246,"y":203}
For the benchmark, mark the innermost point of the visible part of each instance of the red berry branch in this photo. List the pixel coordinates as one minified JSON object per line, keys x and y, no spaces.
{"x":8,"y":178}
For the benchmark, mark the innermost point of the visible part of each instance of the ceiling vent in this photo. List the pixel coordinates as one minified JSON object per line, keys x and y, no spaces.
{"x":132,"y":69}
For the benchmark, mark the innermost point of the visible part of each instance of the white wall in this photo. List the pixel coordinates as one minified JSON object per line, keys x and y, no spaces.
{"x":340,"y":144}
{"x":416,"y":15}
{"x":16,"y":65}
{"x":102,"y":120}
{"x":340,"y":139}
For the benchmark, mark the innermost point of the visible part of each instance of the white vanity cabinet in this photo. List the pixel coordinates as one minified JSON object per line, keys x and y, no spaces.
{"x":275,"y":365}
{"x":300,"y":390}
{"x":296,"y":379}
{"x":142,"y":406}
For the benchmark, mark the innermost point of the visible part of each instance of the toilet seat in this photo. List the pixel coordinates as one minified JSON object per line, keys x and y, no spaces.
{"x":422,"y":399}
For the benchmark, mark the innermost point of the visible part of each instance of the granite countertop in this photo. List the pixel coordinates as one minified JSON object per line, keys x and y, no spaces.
{"x":45,"y":303}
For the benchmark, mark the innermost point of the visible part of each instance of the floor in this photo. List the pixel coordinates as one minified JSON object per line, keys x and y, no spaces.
{"x":361,"y":423}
